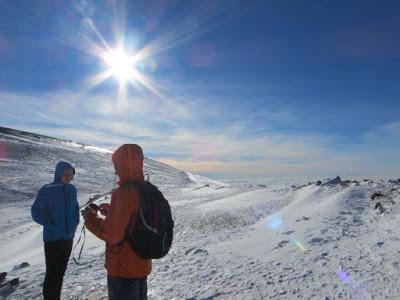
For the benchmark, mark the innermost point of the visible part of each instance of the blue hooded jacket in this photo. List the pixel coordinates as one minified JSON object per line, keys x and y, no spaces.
{"x":56,"y":207}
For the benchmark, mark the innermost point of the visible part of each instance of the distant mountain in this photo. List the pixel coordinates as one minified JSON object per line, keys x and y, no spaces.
{"x":27,"y":161}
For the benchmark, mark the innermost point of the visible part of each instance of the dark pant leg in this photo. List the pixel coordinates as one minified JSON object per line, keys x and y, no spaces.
{"x":65,"y":248}
{"x":57,"y":254}
{"x":143,"y":288}
{"x":113,"y":285}
{"x":50,"y":256}
{"x":127,"y":288}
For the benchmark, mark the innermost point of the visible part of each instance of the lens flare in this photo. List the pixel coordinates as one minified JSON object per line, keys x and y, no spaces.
{"x":203,"y":55}
{"x":3,"y":150}
{"x":275,"y":222}
{"x":358,"y":290}
{"x":299,"y":245}
{"x":344,"y":276}
{"x":153,"y":66}
{"x":151,"y":25}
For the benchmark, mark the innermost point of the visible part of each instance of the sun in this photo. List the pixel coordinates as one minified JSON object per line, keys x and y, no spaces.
{"x":120,"y":64}
{"x":129,"y":65}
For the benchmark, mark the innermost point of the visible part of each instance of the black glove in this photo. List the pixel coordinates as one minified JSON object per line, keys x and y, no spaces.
{"x":90,"y":209}
{"x":94,"y":206}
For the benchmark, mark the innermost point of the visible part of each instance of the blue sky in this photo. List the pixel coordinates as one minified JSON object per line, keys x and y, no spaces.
{"x":231,"y":88}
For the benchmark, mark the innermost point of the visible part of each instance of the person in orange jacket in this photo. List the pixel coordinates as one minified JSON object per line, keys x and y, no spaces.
{"x":126,"y":271}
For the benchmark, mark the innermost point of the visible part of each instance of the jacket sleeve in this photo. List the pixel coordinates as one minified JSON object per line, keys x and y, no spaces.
{"x":124,"y":205}
{"x":38,"y":210}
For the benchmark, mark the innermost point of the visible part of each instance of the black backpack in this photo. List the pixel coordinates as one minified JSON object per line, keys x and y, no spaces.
{"x":151,"y":234}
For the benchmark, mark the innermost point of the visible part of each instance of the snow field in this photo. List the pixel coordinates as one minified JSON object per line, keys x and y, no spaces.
{"x":237,"y":240}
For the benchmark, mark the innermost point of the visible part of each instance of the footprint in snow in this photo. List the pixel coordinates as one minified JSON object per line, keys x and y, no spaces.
{"x":196,"y":251}
{"x":396,"y":265}
{"x":282,"y":244}
{"x":318,"y":241}
{"x":288,"y":232}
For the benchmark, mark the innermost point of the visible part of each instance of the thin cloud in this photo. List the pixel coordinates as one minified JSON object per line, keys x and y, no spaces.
{"x":191,"y":138}
{"x":385,"y":133}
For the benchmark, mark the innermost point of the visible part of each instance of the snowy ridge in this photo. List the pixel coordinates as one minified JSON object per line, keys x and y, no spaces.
{"x":253,"y":240}
{"x":327,"y":243}
{"x":27,"y":162}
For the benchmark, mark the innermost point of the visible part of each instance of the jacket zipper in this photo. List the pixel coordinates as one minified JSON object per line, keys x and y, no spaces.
{"x":66,"y":211}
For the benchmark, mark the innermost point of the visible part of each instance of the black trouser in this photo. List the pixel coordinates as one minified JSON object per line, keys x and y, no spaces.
{"x":127,"y":288}
{"x":57,"y":254}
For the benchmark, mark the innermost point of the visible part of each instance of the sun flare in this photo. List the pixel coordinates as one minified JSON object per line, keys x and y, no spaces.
{"x":120,"y":64}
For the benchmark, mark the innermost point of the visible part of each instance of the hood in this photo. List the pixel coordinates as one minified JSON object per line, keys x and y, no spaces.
{"x":61,"y":166}
{"x":128,"y":163}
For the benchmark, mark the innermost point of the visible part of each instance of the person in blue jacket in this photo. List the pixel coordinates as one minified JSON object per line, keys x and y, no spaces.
{"x":56,"y":208}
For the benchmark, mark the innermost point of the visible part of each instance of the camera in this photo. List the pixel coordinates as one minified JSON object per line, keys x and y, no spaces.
{"x":94,"y":206}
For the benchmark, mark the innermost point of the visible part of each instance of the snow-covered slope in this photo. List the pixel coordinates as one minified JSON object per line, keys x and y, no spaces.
{"x":27,"y":161}
{"x":242,"y":240}
{"x":328,"y":242}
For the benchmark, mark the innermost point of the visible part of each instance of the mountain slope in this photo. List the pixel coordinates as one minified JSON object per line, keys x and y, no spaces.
{"x":322,"y":240}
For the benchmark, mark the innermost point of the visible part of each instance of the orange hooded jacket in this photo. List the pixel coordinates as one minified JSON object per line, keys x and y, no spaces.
{"x":121,"y":260}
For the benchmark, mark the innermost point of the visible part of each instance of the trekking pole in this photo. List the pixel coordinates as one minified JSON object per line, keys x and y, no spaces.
{"x":83,"y":231}
{"x":95,"y":198}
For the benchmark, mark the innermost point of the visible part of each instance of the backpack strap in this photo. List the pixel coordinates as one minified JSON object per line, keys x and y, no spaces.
{"x":132,"y":183}
{"x":154,"y":230}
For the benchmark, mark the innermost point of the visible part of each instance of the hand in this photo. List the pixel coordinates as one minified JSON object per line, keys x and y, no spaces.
{"x":104,"y":208}
{"x":85,"y":212}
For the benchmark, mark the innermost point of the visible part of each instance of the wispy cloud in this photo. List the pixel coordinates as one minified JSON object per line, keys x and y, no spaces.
{"x":388,"y":133}
{"x":188,"y":135}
